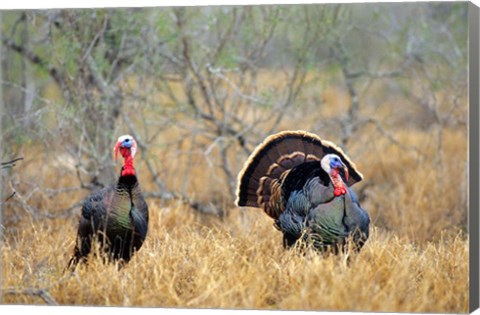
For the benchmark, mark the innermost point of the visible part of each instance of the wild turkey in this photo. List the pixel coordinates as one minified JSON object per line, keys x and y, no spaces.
{"x":302,"y":182}
{"x":115,"y":216}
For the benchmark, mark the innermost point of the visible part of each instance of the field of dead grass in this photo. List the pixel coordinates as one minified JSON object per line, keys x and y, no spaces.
{"x":239,"y":263}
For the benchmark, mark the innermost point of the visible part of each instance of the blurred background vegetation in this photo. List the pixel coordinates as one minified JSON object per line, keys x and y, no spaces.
{"x":200,"y":87}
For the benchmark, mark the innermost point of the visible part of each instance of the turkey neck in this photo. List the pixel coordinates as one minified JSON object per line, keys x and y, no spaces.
{"x":124,"y":200}
{"x":128,"y":168}
{"x":127,"y":192}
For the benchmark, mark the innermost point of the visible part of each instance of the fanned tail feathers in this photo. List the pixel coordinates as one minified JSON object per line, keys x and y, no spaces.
{"x":260,"y":180}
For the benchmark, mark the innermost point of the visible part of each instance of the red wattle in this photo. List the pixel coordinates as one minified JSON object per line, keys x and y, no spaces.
{"x":338,"y":184}
{"x":125,"y":152}
{"x":128,"y":171}
{"x":338,"y":191}
{"x":128,"y":168}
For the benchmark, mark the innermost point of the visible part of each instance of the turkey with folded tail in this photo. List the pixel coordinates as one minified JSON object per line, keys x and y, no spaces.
{"x":302,"y":182}
{"x":115,"y":216}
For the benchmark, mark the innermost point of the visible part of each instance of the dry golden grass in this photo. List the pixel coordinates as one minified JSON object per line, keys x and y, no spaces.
{"x":415,"y":260}
{"x":240,"y":263}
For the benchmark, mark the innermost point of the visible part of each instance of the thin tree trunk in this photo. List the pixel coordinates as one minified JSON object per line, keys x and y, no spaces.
{"x":28,"y":82}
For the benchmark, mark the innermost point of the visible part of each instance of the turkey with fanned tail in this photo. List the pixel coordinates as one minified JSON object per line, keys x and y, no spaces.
{"x":116,"y":216}
{"x":303,"y":183}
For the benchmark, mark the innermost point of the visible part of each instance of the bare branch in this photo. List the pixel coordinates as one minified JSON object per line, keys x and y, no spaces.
{"x":36,"y":60}
{"x":11,"y":163}
{"x":10,"y":197}
{"x":41,"y":293}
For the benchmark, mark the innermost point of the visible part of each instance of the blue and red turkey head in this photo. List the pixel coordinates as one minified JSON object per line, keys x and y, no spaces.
{"x":115,"y":216}
{"x":303,"y":183}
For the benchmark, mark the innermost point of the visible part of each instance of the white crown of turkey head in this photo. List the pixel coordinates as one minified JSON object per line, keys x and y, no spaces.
{"x":126,"y":141}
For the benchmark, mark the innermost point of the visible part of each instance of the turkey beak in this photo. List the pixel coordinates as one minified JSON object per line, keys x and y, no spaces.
{"x":342,"y":165}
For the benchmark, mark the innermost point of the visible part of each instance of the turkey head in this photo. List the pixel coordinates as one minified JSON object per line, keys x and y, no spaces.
{"x":333,"y":166}
{"x":127,"y":146}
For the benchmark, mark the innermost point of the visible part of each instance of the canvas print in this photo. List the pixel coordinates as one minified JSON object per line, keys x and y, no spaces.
{"x":273,"y":157}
